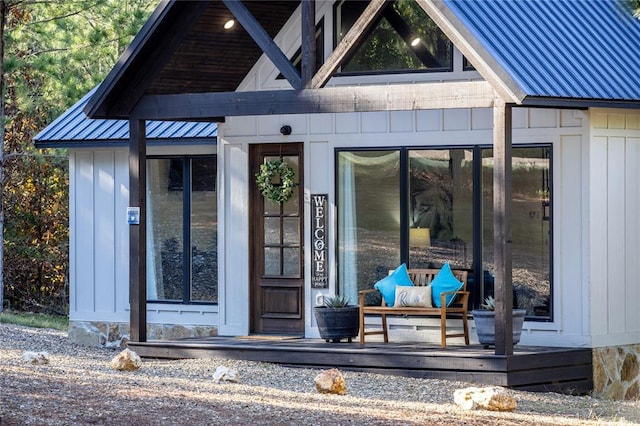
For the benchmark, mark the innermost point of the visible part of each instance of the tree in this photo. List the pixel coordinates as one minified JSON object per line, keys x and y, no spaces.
{"x":51,"y":54}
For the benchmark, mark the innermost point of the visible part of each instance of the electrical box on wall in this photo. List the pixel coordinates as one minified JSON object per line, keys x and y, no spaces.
{"x":133,"y":215}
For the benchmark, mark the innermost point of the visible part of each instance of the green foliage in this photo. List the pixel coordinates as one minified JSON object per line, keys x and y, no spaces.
{"x":57,"y":322}
{"x":66,"y":48}
{"x":264,"y":179}
{"x":54,"y":53}
{"x":389,"y":45}
{"x":489,"y":304}
{"x":336,"y":301}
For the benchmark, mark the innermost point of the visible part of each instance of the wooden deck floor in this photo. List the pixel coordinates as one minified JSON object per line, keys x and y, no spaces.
{"x":530,"y":368}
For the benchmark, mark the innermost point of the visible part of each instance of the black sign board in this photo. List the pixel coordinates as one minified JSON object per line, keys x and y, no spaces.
{"x":319,"y":261}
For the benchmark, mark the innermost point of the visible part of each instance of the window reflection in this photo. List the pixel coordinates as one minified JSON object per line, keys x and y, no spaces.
{"x":440,"y":197}
{"x":368,"y":218}
{"x":438,"y":211}
{"x":282,"y":226}
{"x":182,"y":266}
{"x":404,"y":38}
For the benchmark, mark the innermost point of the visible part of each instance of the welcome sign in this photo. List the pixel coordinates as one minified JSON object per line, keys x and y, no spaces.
{"x":319,"y":269}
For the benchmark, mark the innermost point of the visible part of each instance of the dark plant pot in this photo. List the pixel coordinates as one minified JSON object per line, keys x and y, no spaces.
{"x":486,"y":326}
{"x":335,"y":324}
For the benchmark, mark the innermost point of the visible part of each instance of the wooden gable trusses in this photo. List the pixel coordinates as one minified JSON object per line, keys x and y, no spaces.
{"x":307,"y":96}
{"x":315,"y":98}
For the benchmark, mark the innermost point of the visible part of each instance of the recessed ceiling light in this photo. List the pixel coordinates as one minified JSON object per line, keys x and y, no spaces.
{"x":415,"y":42}
{"x":229,"y":24}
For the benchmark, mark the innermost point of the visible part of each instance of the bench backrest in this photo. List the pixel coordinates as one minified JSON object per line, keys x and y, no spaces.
{"x":423,"y":277}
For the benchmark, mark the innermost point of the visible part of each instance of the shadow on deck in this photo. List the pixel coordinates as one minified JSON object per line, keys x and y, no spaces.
{"x":566,"y":370}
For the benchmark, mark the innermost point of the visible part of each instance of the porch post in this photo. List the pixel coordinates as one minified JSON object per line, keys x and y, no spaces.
{"x":308,"y":63}
{"x":138,"y":232}
{"x":502,"y":200}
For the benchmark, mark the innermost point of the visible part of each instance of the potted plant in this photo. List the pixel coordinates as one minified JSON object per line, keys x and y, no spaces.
{"x":337,"y":319}
{"x":485,"y":320}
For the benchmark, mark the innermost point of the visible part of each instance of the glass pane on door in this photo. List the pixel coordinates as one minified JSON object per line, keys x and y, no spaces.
{"x":282,"y":227}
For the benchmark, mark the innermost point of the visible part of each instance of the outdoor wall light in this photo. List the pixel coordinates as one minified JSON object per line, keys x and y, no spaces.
{"x":229,"y":24}
{"x":285,"y":130}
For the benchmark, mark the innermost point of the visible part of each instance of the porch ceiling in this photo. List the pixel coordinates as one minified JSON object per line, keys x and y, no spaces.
{"x":198,"y":55}
{"x":212,"y":59}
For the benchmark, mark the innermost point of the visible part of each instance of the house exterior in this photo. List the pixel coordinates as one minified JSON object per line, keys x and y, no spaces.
{"x":501,"y":137}
{"x":99,"y":240}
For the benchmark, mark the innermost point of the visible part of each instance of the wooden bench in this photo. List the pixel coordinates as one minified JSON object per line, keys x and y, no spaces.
{"x":421,"y":277}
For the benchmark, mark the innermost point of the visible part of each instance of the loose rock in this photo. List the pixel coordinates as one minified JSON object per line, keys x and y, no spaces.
{"x":36,"y":357}
{"x":331,"y":381}
{"x":126,"y":360}
{"x":226,"y":374}
{"x":488,"y":398}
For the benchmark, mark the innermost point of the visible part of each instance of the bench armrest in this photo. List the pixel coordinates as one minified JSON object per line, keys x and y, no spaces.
{"x":362,"y":294}
{"x":462,"y":298}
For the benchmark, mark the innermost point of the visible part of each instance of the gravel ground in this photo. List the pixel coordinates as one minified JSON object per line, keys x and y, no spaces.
{"x":78,"y":387}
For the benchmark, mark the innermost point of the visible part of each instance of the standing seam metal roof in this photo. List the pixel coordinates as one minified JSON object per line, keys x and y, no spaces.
{"x":581,"y":49}
{"x":74,"y":129}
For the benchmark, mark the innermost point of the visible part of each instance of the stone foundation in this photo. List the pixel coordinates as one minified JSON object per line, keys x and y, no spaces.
{"x":616,"y":372}
{"x":116,"y":335}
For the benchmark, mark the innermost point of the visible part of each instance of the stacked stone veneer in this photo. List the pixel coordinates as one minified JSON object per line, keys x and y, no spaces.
{"x":116,"y":335}
{"x":616,"y":372}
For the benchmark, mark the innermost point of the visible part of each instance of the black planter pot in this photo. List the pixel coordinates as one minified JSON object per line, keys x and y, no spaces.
{"x":335,"y":324}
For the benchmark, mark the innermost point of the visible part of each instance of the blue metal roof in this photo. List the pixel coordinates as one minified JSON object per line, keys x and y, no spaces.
{"x":74,"y":129}
{"x":570,"y":49}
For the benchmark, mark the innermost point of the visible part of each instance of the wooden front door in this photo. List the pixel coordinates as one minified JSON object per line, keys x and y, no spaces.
{"x":276,"y":247}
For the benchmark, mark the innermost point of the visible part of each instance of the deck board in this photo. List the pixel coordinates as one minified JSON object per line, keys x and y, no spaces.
{"x":531,"y":368}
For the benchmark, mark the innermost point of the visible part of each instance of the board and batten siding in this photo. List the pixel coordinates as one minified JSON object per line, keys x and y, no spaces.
{"x":614,"y":227}
{"x":99,"y":241}
{"x":324,"y":133}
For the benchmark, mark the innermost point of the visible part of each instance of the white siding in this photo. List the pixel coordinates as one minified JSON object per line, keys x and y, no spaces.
{"x":614,"y":229}
{"x":105,"y":218}
{"x":82,"y":215}
{"x":233,"y":235}
{"x":99,"y":241}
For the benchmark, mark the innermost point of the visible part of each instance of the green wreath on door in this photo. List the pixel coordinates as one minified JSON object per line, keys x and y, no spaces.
{"x":276,"y":193}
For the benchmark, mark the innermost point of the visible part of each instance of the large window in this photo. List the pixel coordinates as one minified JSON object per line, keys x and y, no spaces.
{"x":403,"y":39}
{"x":417,"y":206}
{"x":182,"y":263}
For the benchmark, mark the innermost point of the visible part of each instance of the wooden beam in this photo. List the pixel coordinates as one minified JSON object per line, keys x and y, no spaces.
{"x":138,"y":233}
{"x":502,"y":243}
{"x":349,"y":43}
{"x":308,"y":23}
{"x":265,"y":42}
{"x":401,"y":97}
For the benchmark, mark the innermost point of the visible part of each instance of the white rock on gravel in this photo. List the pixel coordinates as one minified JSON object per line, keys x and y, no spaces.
{"x":36,"y":357}
{"x":225,"y":374}
{"x":486,"y":398}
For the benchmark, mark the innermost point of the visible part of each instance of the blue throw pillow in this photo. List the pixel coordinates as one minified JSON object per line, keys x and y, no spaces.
{"x":443,"y":282}
{"x":387,"y":285}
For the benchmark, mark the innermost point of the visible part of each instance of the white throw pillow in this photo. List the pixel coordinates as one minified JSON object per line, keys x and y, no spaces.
{"x":419,"y":297}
